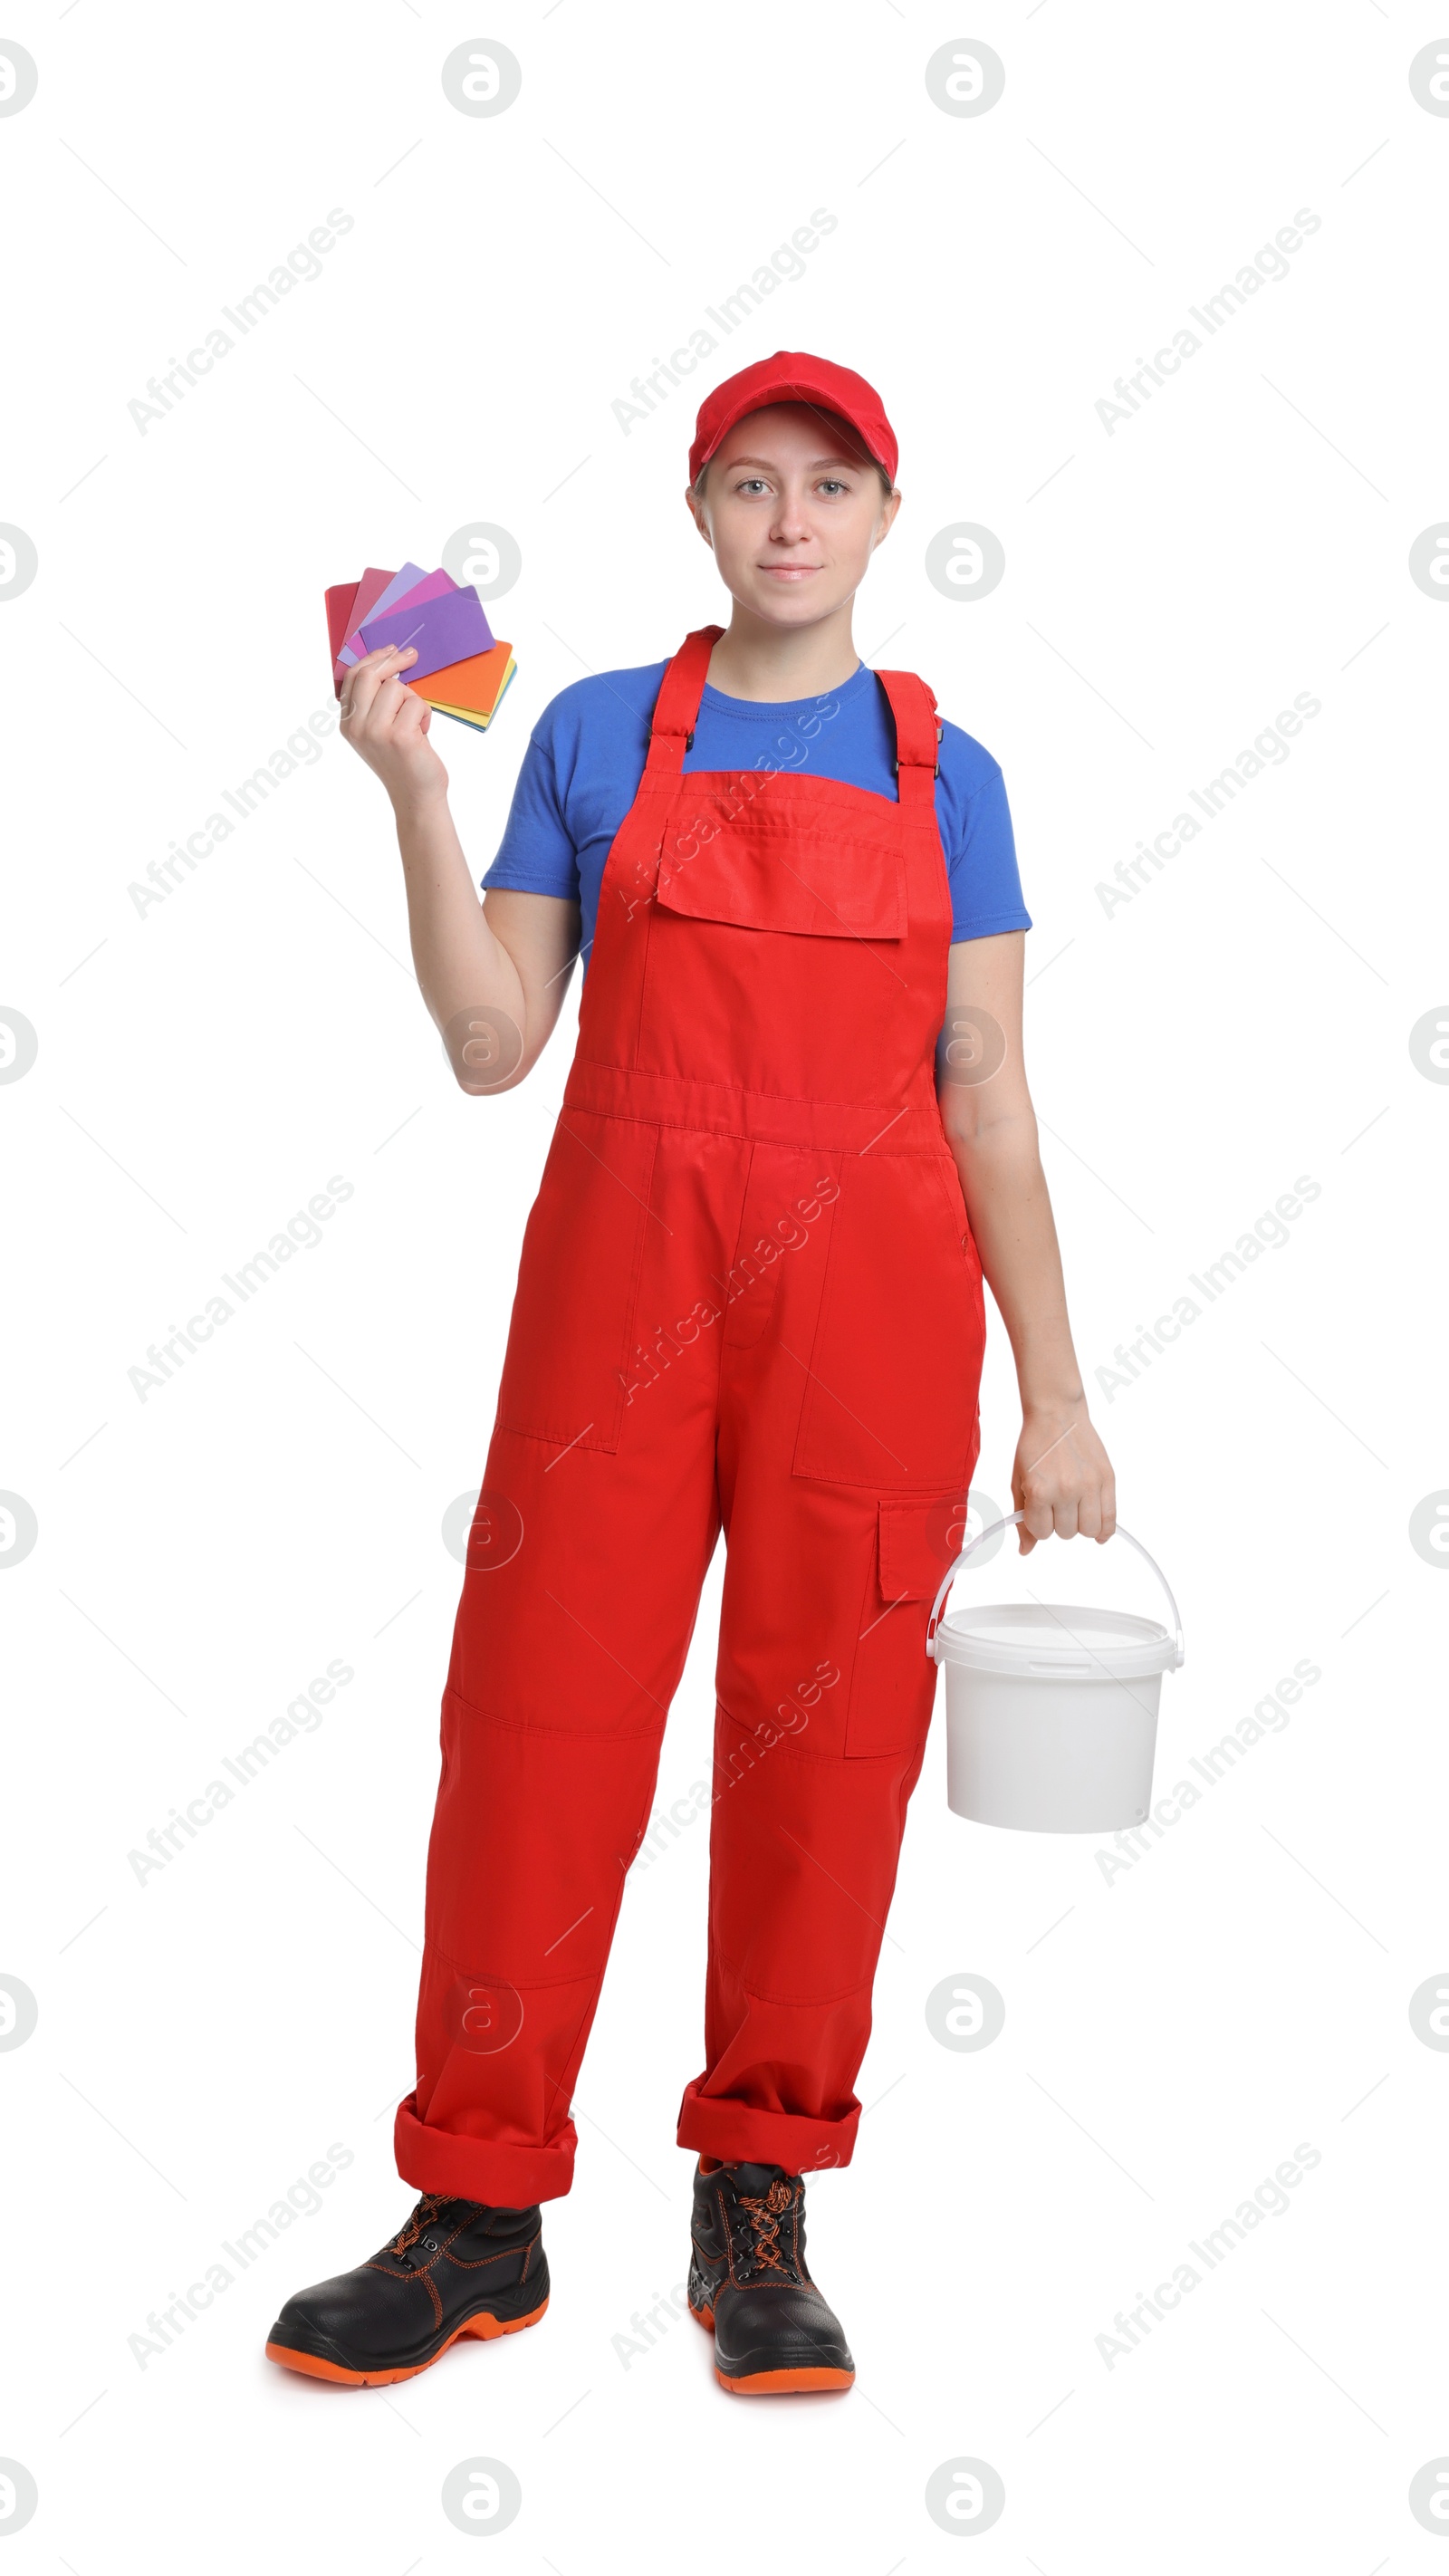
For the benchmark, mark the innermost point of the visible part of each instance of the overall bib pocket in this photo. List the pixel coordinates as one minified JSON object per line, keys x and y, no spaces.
{"x":760,"y":903}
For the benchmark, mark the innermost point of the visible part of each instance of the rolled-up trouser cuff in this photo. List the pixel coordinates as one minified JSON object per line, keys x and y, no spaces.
{"x":504,"y":2176}
{"x":735,"y":2134}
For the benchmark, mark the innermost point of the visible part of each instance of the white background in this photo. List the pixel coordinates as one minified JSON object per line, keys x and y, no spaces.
{"x":1171,"y":2035}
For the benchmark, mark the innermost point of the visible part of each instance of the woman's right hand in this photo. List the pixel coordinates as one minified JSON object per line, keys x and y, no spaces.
{"x":387,"y":725}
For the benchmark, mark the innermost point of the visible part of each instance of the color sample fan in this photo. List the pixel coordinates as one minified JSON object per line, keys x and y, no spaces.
{"x":460,"y":669}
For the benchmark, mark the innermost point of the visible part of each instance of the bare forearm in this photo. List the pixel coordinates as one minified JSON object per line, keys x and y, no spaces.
{"x":1011,"y":1218}
{"x":460,"y":965}
{"x":494,"y":985}
{"x":1061,"y":1478}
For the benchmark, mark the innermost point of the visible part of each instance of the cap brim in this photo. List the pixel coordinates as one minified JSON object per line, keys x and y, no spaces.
{"x":812,"y":397}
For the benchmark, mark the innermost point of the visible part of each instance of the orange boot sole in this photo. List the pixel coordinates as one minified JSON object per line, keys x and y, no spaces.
{"x":483,"y":2328}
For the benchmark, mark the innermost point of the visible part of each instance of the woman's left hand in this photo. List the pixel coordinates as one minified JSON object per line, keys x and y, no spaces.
{"x":1062,"y":1478}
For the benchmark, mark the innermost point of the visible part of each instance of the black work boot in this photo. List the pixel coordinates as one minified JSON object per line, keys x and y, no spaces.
{"x":456,"y":2268}
{"x":774,"y":2334}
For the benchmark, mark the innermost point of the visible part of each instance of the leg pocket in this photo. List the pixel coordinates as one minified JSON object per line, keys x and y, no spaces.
{"x":893,"y":1682}
{"x":572,"y":1329}
{"x":895,"y":1371}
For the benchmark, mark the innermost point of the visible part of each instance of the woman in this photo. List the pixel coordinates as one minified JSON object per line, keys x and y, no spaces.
{"x":796,"y":1131}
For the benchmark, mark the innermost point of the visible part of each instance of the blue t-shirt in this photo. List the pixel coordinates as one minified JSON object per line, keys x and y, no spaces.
{"x":586,"y":756}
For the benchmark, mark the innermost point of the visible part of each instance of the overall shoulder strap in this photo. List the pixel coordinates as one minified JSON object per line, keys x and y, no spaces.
{"x":918,"y":734}
{"x":677,"y":706}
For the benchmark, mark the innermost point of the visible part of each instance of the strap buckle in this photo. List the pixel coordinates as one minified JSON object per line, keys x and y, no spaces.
{"x":896,"y":766}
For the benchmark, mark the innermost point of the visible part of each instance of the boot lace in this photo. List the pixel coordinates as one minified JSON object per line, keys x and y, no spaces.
{"x":764,"y":2213}
{"x":423,"y":2216}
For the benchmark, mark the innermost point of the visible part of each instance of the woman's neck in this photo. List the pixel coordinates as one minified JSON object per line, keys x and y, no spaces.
{"x":754,"y":659}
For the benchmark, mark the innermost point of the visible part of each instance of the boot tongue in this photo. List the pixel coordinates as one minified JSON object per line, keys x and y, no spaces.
{"x":485,"y":2220}
{"x":420,"y":2237}
{"x":755,"y":2180}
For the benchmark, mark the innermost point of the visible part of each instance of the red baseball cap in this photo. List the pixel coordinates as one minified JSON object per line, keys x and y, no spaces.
{"x":792,"y":376}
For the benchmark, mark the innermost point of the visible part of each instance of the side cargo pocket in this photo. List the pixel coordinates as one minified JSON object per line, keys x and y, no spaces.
{"x":894,"y":1681}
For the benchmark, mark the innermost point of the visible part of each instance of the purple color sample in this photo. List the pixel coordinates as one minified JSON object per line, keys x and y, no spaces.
{"x":441,"y":631}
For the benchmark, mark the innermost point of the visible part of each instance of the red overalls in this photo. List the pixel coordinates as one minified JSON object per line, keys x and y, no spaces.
{"x":748,"y":1297}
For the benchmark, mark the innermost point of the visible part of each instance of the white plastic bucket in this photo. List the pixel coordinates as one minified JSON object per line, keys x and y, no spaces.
{"x":1051,"y":1712}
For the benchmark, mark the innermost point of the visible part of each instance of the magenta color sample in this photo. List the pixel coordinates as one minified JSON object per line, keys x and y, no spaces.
{"x":436,"y":586}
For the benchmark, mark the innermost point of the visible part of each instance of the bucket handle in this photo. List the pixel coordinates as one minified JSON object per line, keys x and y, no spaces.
{"x":1010,"y":1523}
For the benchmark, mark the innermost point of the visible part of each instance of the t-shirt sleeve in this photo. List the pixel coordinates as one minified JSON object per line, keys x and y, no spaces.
{"x":537,"y":853}
{"x":981,"y":852}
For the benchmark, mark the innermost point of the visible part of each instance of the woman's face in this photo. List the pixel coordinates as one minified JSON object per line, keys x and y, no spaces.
{"x":794,"y":509}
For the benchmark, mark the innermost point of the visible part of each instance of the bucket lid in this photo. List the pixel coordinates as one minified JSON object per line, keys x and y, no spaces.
{"x":1045,"y":1640}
